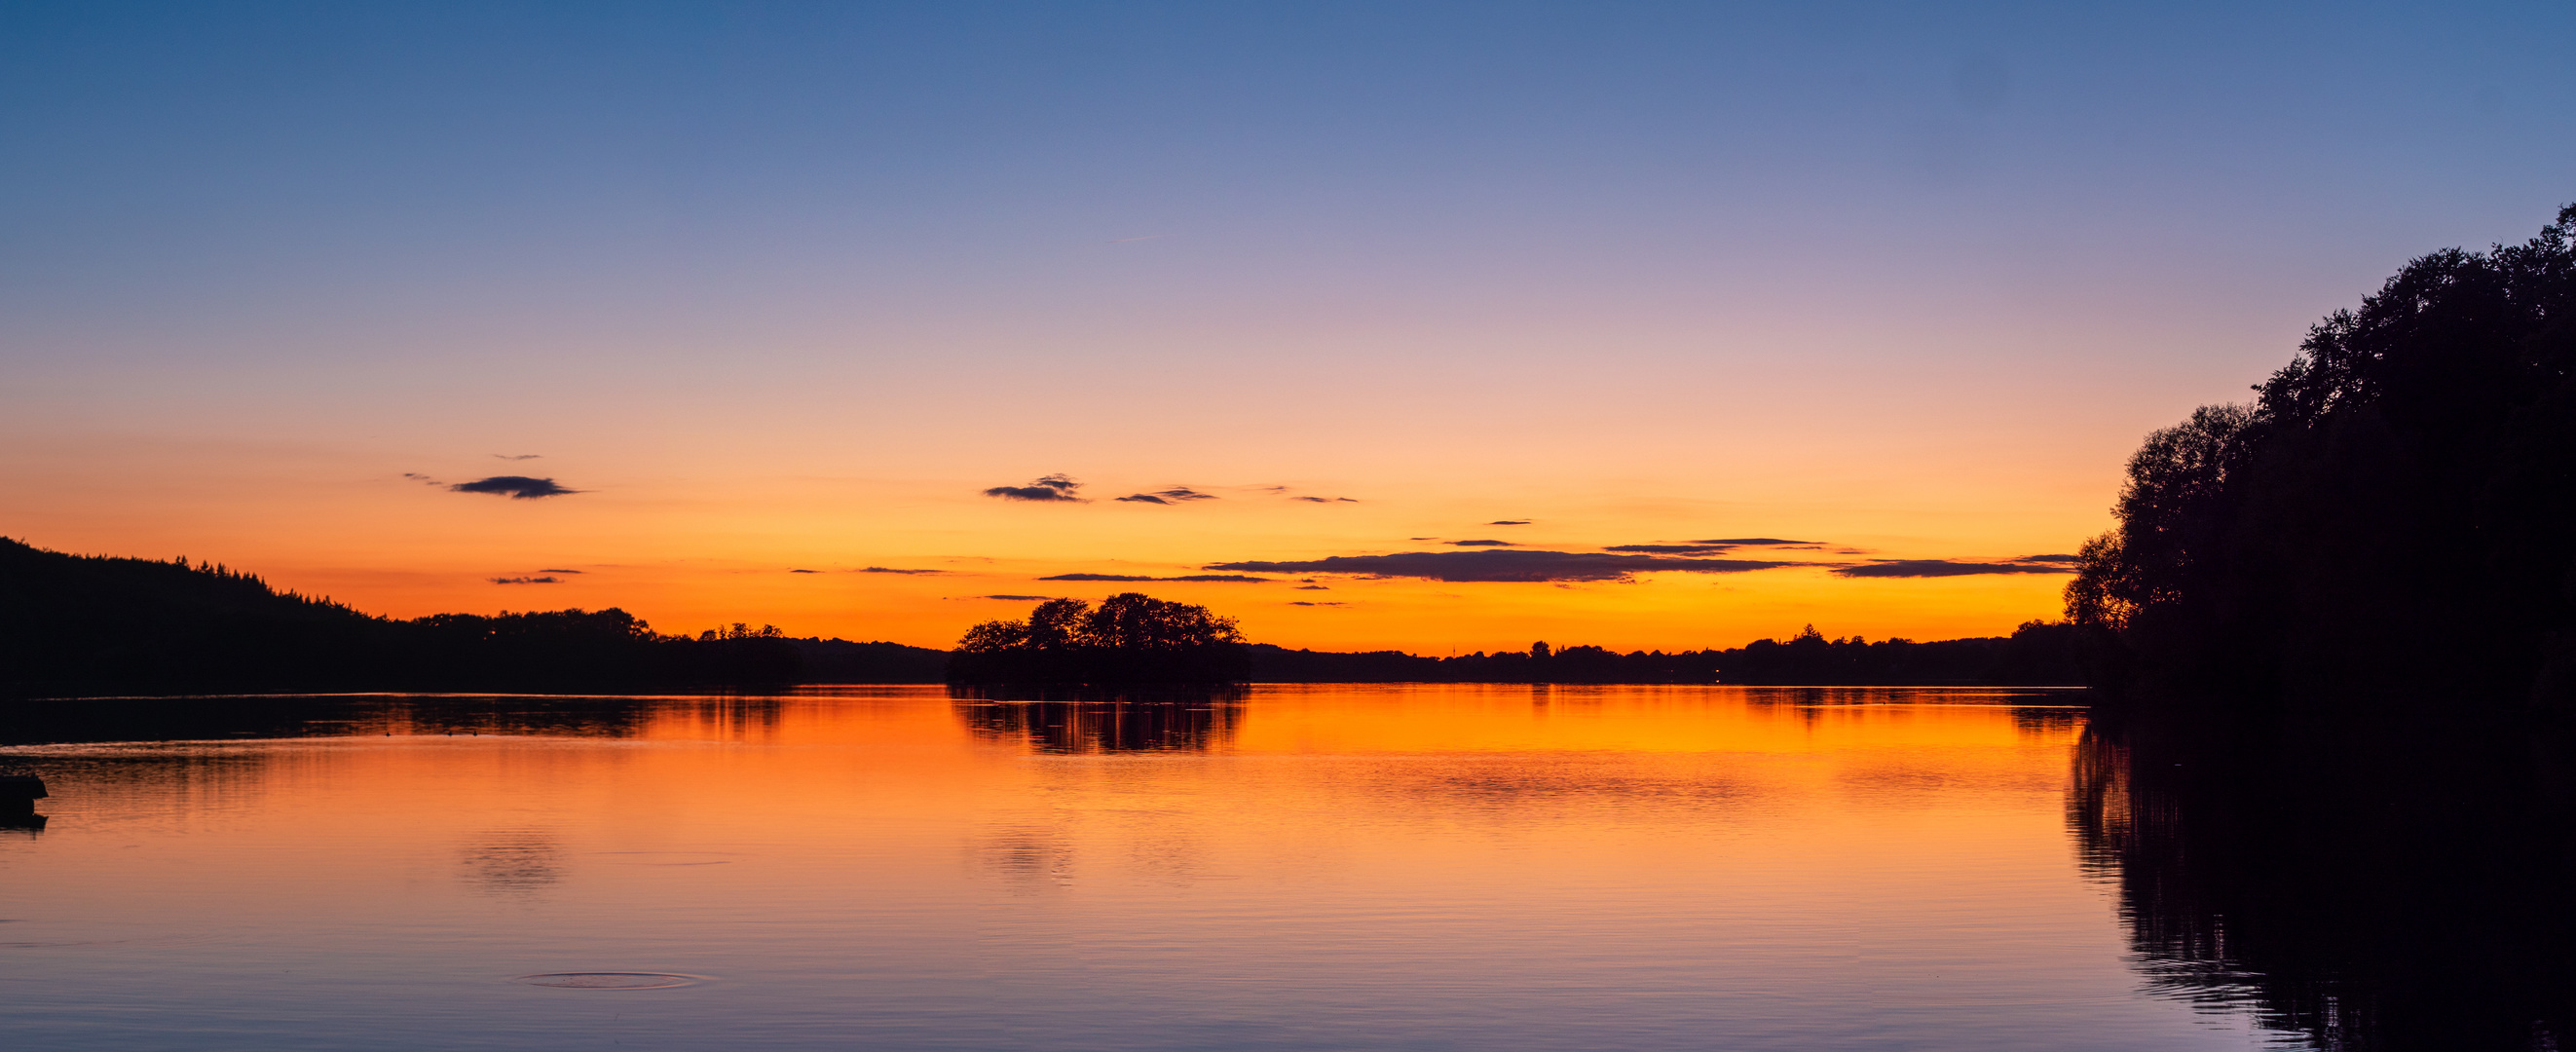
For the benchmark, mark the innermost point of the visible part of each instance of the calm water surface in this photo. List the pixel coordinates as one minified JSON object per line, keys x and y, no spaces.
{"x":1330,"y":867}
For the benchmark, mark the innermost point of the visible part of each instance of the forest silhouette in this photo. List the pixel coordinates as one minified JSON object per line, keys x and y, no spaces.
{"x":2387,"y":520}
{"x":94,"y":625}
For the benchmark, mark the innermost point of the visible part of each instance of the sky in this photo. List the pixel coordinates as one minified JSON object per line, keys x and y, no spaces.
{"x":767,"y":288}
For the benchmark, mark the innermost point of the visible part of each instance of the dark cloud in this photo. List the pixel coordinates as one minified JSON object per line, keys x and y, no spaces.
{"x":1139,"y":577}
{"x":525,"y":580}
{"x":1753,"y":542}
{"x":517,"y":487}
{"x":1311,"y":588}
{"x":889,"y":569}
{"x":2050,"y":559}
{"x":1422,"y":538}
{"x":1168,"y":496}
{"x":1301,"y":603}
{"x":521,"y":456}
{"x":1045,"y":488}
{"x":559,"y":571}
{"x":1326,"y":500}
{"x":1943,"y":568}
{"x":1670,"y":549}
{"x":1011,"y":598}
{"x":804,"y":571}
{"x":1486,"y":543}
{"x":422,"y":479}
{"x":1500,"y":565}
{"x":1509,"y":522}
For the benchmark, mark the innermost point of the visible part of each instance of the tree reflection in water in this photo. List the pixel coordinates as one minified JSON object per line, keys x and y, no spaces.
{"x":1079,"y":721}
{"x":2352,"y":891}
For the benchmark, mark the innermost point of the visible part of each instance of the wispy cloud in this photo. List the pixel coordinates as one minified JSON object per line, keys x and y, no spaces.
{"x":1946,"y":568}
{"x":517,"y":456}
{"x":1509,"y":522}
{"x":516,"y":487}
{"x":525,"y":580}
{"x":1711,"y":546}
{"x":1176,"y":494}
{"x":2050,"y":559}
{"x":1007,"y":598}
{"x":1672,"y":549}
{"x":1301,"y":603}
{"x":1326,"y":500}
{"x":1045,"y":488}
{"x":1138,"y":577}
{"x":889,"y":569}
{"x":560,"y":571}
{"x":1485,"y":543}
{"x":804,"y":571}
{"x":1500,"y":565}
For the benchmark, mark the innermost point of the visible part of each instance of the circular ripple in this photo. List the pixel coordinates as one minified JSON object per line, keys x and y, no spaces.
{"x":611,"y":980}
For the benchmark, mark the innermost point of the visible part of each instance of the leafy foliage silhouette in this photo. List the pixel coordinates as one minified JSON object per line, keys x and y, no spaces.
{"x":2389,"y":516}
{"x":1129,"y":638}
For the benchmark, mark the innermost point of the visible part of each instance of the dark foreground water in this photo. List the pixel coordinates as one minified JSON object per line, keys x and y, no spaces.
{"x":1324,"y":867}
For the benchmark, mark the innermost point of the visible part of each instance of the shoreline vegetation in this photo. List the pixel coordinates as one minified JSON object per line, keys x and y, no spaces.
{"x":105,"y":626}
{"x":2389,"y":520}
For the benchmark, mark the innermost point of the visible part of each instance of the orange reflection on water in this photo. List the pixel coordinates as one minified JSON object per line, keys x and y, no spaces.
{"x":1498,"y":866}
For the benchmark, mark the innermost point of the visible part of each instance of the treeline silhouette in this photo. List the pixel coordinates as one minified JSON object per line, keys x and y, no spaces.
{"x":94,"y":625}
{"x":2039,"y":653}
{"x":88,"y":626}
{"x":2387,"y":520}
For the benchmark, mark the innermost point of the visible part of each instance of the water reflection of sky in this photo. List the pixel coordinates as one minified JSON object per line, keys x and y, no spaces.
{"x":1310,"y":867}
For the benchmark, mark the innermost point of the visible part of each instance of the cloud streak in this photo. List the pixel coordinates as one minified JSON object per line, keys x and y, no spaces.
{"x":1945,"y":568}
{"x":515,"y":487}
{"x":525,"y":580}
{"x":1138,"y":577}
{"x":889,"y":569}
{"x":1498,"y":565}
{"x":1174,"y":495}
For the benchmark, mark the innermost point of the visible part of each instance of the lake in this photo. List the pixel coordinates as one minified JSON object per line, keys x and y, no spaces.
{"x":1305,"y":867}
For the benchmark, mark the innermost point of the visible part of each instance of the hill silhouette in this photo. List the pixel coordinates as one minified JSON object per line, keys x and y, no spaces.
{"x":73,"y":625}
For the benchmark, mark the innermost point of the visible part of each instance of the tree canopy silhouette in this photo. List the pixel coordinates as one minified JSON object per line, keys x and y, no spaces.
{"x":2389,"y":516}
{"x":1129,"y":638}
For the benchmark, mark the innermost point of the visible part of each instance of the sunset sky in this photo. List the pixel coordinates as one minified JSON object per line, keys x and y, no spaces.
{"x":771,"y":288}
